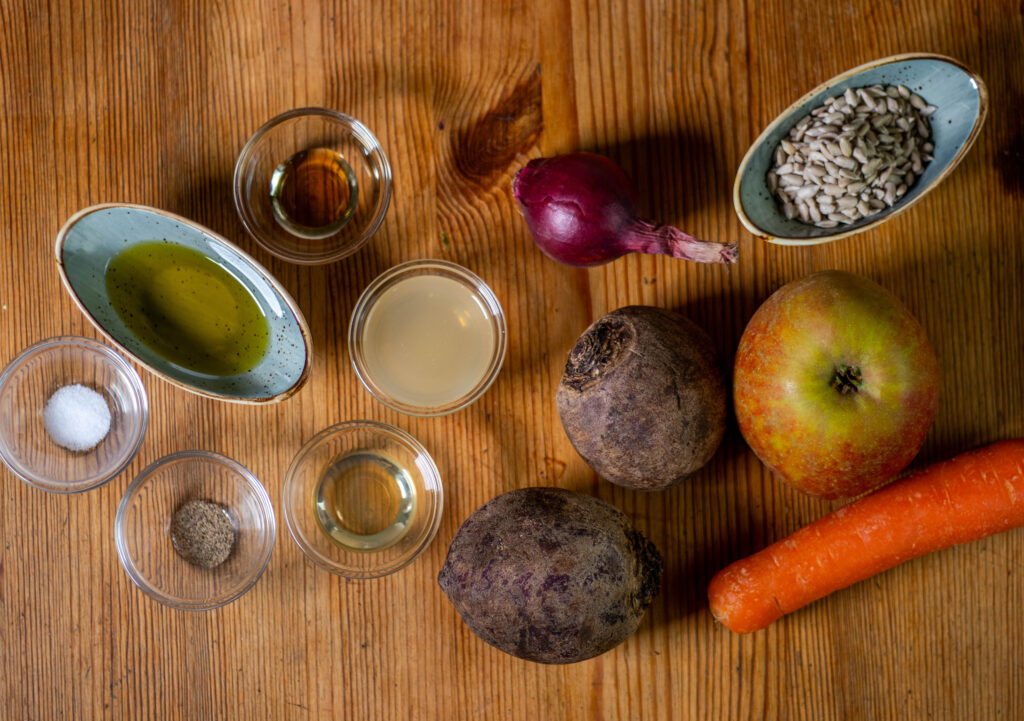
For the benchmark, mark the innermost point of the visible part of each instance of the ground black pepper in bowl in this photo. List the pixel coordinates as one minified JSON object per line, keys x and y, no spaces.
{"x":202,"y":533}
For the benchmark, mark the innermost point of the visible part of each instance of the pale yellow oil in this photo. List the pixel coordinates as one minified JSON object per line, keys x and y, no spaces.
{"x":428,"y":340}
{"x":365,"y":501}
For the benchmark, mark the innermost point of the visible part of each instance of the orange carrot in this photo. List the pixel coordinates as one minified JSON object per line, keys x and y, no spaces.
{"x":968,"y":497}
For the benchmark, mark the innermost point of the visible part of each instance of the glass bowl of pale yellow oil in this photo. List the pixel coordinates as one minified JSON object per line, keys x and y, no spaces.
{"x":312,"y":185}
{"x":362,"y":499}
{"x":427,"y":337}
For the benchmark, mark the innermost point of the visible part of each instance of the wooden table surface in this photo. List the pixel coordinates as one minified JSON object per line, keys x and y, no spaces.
{"x":151,"y":102}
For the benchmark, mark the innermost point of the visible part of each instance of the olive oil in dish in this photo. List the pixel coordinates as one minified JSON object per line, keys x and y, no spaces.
{"x":365,"y":501}
{"x":187,"y":309}
{"x":314,"y":193}
{"x":428,"y":340}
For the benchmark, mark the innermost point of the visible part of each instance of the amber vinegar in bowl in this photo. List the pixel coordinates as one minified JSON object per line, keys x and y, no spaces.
{"x":312,"y":185}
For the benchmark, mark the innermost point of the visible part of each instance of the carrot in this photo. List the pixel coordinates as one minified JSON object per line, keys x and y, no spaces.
{"x":966,"y":498}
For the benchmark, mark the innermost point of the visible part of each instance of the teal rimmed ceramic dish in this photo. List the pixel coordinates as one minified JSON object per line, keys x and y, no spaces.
{"x":94,"y":236}
{"x":959,"y":95}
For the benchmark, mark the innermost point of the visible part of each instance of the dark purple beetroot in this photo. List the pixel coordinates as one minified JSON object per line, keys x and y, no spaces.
{"x":550,"y":575}
{"x":643,"y":398}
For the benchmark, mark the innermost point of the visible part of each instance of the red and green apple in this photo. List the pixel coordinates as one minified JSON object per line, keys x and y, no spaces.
{"x":835,"y":384}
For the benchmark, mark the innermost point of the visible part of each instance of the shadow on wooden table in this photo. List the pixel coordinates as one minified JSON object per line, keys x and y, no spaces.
{"x":676,"y":175}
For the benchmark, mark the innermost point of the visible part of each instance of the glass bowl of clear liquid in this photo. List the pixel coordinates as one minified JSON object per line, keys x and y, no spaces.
{"x":362,"y":499}
{"x":312,"y":185}
{"x":427,"y":337}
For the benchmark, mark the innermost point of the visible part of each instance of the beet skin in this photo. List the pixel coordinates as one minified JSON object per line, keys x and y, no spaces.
{"x":643,"y":398}
{"x":550,"y":575}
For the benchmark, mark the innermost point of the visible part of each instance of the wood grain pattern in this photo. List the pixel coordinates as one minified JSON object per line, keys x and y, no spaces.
{"x":150,"y":102}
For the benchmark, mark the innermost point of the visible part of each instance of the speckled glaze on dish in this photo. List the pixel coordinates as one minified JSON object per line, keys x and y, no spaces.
{"x":93,"y":236}
{"x":962,"y":101}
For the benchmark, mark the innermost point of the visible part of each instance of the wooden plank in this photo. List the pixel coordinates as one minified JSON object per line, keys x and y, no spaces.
{"x":151,"y":103}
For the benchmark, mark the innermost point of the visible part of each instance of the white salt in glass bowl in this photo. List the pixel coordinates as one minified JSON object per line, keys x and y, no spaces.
{"x":961,"y":101}
{"x":26,"y":386}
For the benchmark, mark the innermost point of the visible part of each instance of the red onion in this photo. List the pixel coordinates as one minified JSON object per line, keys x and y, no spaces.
{"x":581,"y":210}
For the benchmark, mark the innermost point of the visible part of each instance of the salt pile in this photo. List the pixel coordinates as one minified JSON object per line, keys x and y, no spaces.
{"x":77,"y":417}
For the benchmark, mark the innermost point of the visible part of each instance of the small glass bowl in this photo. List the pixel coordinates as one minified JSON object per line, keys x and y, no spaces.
{"x":431,"y":352}
{"x":26,"y":386}
{"x":142,"y":529}
{"x":390,"y":518}
{"x":338,"y":164}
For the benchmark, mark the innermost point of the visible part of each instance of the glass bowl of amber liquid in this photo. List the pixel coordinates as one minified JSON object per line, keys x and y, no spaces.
{"x":312,"y":185}
{"x":195,"y":530}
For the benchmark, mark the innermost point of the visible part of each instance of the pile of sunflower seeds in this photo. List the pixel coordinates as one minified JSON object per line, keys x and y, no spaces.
{"x":853,"y":156}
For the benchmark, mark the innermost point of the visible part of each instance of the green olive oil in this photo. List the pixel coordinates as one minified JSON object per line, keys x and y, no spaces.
{"x":187,"y":308}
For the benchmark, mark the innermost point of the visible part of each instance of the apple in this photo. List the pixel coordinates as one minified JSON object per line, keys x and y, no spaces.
{"x":835,"y":384}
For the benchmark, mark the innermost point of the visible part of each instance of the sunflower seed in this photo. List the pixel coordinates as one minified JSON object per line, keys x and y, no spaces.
{"x":851,"y":156}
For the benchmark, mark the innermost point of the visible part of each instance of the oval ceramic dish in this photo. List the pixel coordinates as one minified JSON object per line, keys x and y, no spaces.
{"x":958,"y":94}
{"x":93,"y":236}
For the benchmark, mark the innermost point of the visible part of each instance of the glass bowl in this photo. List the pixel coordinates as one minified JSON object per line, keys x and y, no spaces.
{"x":427,"y":337}
{"x":142,"y":529}
{"x":312,"y":185}
{"x":362,"y":499}
{"x":26,"y":386}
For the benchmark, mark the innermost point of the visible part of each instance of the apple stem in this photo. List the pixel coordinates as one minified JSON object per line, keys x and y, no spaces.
{"x":847,"y":379}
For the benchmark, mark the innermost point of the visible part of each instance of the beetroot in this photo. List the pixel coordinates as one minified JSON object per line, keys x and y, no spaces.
{"x":643,"y":399}
{"x":550,"y":575}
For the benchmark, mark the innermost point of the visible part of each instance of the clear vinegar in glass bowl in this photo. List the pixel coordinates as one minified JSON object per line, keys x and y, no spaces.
{"x":365,"y":501}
